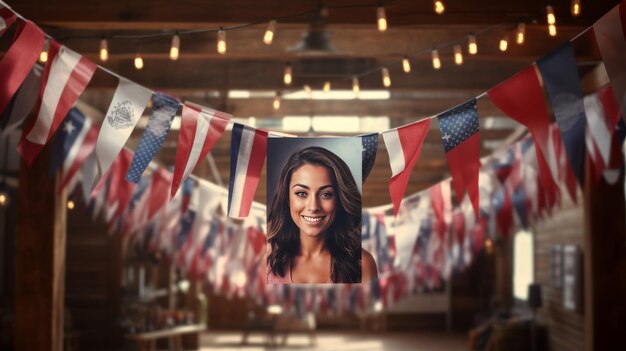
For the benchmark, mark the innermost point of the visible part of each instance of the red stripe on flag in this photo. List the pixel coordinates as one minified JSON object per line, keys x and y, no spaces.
{"x":464,"y":164}
{"x":189,"y":124}
{"x":255,"y":165}
{"x":19,"y":60}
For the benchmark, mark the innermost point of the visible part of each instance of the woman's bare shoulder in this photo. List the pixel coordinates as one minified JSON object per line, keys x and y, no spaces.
{"x":368,"y":266}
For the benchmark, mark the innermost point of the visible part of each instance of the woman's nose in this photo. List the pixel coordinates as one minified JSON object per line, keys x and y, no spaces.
{"x":312,"y":204}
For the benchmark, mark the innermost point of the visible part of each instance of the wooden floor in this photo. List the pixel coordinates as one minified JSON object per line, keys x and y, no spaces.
{"x":343,"y":341}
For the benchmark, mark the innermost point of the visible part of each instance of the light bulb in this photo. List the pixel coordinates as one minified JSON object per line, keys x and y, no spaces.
{"x":382,"y":19}
{"x":221,"y":41}
{"x":355,"y":86}
{"x":287,"y":78}
{"x":175,"y":48}
{"x":439,"y":7}
{"x":43,"y":56}
{"x":5,"y":200}
{"x":436,"y":60}
{"x":504,"y":44}
{"x":276,"y":103}
{"x":406,"y":65}
{"x":520,"y":34}
{"x":489,"y":246}
{"x":327,"y":87}
{"x":458,"y":55}
{"x":552,"y":30}
{"x":268,"y":37}
{"x":550,"y":15}
{"x":472,"y":46}
{"x":138,"y":61}
{"x":386,"y":77}
{"x":70,"y":205}
{"x":104,"y":50}
{"x":576,"y":8}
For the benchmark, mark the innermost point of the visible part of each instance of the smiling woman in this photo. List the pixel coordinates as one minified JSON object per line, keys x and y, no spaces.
{"x":314,"y":223}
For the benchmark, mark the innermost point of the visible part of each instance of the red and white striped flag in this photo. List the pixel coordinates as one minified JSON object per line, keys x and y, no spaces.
{"x":19,"y":60}
{"x":65,"y":77}
{"x":610,"y":35}
{"x":404,"y":146}
{"x":200,"y":129}
{"x":248,"y":149}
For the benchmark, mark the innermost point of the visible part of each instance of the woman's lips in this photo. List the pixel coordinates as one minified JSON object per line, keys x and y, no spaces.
{"x":313,"y":219}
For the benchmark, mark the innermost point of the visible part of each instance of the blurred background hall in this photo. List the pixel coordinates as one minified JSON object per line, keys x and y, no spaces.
{"x":91,"y":261}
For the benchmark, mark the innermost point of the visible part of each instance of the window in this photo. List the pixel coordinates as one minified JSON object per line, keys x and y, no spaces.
{"x":523,"y":264}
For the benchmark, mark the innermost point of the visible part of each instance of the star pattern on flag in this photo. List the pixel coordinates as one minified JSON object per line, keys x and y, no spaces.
{"x":370,"y":146}
{"x":458,"y":124}
{"x":153,"y":137}
{"x":68,"y":127}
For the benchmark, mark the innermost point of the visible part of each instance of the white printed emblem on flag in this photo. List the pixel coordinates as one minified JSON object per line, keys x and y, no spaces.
{"x":127,"y":106}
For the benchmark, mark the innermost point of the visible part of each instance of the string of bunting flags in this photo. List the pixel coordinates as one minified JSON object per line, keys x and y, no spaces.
{"x":430,"y":235}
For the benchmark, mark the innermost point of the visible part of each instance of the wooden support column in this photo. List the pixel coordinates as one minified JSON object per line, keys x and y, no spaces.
{"x":40,"y":260}
{"x":604,"y":263}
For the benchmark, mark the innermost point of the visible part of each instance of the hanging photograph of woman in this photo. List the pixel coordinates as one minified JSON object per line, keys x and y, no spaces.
{"x":314,"y":212}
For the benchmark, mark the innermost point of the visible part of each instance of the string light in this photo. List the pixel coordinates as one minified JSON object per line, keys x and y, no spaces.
{"x":268,"y":37}
{"x":104,"y":50}
{"x":326,"y":87}
{"x":355,"y":86}
{"x":70,"y":205}
{"x":472,"y":46}
{"x":458,"y":55}
{"x":520,"y":34}
{"x":221,"y":41}
{"x":386,"y":77}
{"x":276,"y":103}
{"x":287,"y":77}
{"x":4,"y":199}
{"x":550,"y":15}
{"x":576,"y":8}
{"x":43,"y":56}
{"x":406,"y":65}
{"x":175,"y":48}
{"x":504,"y":44}
{"x":439,"y":7}
{"x":489,"y":246}
{"x":436,"y":60}
{"x":138,"y":58}
{"x":381,"y":18}
{"x":552,"y":30}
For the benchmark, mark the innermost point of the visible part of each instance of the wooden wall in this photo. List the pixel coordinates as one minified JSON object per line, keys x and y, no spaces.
{"x":566,"y":227}
{"x":93,"y":290}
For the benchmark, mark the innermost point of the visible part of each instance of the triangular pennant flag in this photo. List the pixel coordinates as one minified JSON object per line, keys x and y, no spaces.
{"x":248,"y":150}
{"x":161,"y":181}
{"x":609,"y":32}
{"x":7,"y":17}
{"x":461,"y":140}
{"x":65,"y":77}
{"x":370,"y":146}
{"x":121,"y":191}
{"x":22,"y":103}
{"x":74,"y":145}
{"x":560,"y":77}
{"x":129,"y":102}
{"x":163,"y":111}
{"x":503,"y":206}
{"x":404,"y":146}
{"x":565,"y":167}
{"x":19,"y":60}
{"x":530,"y":110}
{"x":200,"y":129}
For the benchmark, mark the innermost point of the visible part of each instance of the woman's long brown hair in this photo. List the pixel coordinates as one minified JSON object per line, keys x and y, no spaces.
{"x":343,"y":237}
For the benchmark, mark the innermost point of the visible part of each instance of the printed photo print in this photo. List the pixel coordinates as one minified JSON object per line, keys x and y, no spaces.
{"x":314,"y":212}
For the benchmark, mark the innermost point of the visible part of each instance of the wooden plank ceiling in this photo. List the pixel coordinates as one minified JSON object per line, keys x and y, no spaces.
{"x":203,"y":76}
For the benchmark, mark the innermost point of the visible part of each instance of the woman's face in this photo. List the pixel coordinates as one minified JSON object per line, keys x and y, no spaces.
{"x":312,"y":199}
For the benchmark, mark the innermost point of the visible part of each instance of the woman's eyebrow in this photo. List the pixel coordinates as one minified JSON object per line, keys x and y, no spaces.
{"x":300,"y":185}
{"x":326,"y":186}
